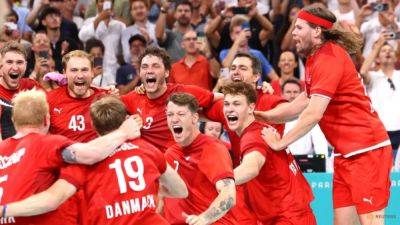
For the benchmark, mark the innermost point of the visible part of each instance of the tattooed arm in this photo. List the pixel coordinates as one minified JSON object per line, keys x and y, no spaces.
{"x":225,"y":200}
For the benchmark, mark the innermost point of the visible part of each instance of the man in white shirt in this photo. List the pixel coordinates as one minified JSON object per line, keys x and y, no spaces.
{"x":139,"y":13}
{"x":109,"y":31}
{"x":313,"y":142}
{"x":383,"y":87}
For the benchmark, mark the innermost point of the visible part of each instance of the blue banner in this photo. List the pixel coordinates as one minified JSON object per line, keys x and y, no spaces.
{"x":321,"y":184}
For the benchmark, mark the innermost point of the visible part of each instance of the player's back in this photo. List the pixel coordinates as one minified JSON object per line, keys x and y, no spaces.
{"x":28,"y":166}
{"x":123,"y":188}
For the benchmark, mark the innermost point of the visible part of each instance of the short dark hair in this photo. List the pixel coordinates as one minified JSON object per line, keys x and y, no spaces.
{"x":107,"y":113}
{"x":48,"y":11}
{"x":13,"y":13}
{"x":291,"y":81}
{"x":255,"y":63}
{"x":184,"y":2}
{"x":137,"y":37}
{"x":184,"y":99}
{"x":158,"y":52}
{"x":241,"y":88}
{"x":93,"y":43}
{"x":13,"y":46}
{"x":146,"y":3}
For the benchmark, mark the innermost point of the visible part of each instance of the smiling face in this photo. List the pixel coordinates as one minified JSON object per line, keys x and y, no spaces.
{"x":238,"y":112}
{"x":387,"y":55}
{"x":241,"y":70}
{"x":79,"y":75}
{"x":287,"y":63}
{"x":139,"y":11}
{"x":153,"y":74}
{"x":13,"y":68}
{"x":302,"y":36}
{"x":182,"y":123}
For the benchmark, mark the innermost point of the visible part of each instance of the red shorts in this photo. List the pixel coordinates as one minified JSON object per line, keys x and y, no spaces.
{"x":242,"y":213}
{"x":307,"y":218}
{"x":363,"y":180}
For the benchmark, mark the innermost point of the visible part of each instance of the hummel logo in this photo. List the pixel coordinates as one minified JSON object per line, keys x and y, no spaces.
{"x":187,"y":158}
{"x":368,"y":200}
{"x":58,"y":110}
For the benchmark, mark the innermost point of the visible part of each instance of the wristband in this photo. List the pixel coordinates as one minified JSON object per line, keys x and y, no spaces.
{"x":3,"y":213}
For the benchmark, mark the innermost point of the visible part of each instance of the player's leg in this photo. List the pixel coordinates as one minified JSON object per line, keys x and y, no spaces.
{"x":346,"y":216}
{"x":373,"y":218}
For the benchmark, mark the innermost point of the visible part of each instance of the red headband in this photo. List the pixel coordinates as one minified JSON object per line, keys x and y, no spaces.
{"x":304,"y":15}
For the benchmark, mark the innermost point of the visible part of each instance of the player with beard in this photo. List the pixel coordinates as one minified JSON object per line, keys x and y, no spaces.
{"x":32,"y":160}
{"x":113,"y":198}
{"x":275,"y":188}
{"x":245,"y":68}
{"x":13,"y":67}
{"x":154,"y":69}
{"x":205,"y":165}
{"x":336,"y":99}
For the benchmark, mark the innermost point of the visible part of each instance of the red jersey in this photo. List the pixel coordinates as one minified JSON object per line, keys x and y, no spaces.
{"x":350,"y":124}
{"x":197,"y":166}
{"x":280,"y":188}
{"x":123,"y":188}
{"x":30,"y":165}
{"x":153,"y":112}
{"x":70,"y":116}
{"x":24,"y":84}
{"x":264,"y":102}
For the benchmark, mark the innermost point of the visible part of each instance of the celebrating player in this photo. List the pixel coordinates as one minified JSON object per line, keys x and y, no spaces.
{"x":31,"y":160}
{"x":154,"y":69}
{"x":276,"y":189}
{"x":122,"y":189}
{"x":205,"y":165}
{"x":335,"y":98}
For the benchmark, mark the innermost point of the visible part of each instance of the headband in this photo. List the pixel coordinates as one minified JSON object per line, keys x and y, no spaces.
{"x":316,"y":20}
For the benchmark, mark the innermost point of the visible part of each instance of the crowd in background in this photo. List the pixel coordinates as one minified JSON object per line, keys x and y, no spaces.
{"x":202,"y":37}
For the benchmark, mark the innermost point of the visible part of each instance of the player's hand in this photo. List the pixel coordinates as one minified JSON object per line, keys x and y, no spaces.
{"x":266,"y":88}
{"x":272,"y":138}
{"x":141,"y":90}
{"x":132,"y":126}
{"x":194,"y":219}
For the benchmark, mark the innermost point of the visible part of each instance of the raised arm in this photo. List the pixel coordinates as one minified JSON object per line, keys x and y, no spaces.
{"x":101,"y":147}
{"x":225,"y":200}
{"x":42,"y":202}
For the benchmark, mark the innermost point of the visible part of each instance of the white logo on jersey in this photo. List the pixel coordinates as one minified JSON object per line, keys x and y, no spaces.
{"x":6,"y":161}
{"x":367,"y":200}
{"x":130,"y":206}
{"x":58,"y":110}
{"x":139,"y":111}
{"x":187,"y":158}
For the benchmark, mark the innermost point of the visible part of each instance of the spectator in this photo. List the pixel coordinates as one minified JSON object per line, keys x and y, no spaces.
{"x":314,"y":142}
{"x":261,"y":28}
{"x":141,"y":25}
{"x":5,"y":11}
{"x":171,"y":39}
{"x":96,"y":49}
{"x":127,"y":78}
{"x":108,"y":30}
{"x":44,"y":67}
{"x":383,"y":87}
{"x":287,"y":43}
{"x":68,"y":28}
{"x":40,"y":48}
{"x":68,"y":13}
{"x":61,"y":43}
{"x":346,"y":11}
{"x":198,"y":20}
{"x":121,"y":9}
{"x":240,"y":34}
{"x":193,"y":68}
{"x":287,"y":65}
{"x":385,"y":22}
{"x":22,"y":13}
{"x":11,"y":31}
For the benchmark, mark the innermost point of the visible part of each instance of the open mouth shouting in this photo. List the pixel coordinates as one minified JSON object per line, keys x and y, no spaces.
{"x":14,"y":75}
{"x":232,"y":119}
{"x":177,"y":129}
{"x":151,"y":81}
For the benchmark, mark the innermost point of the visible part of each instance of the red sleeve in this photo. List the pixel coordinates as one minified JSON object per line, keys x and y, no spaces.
{"x":251,"y":142}
{"x":216,"y":152}
{"x":204,"y":96}
{"x":159,"y":160}
{"x":171,"y":77}
{"x":74,"y":174}
{"x":53,"y":154}
{"x":268,"y":102}
{"x":215,"y":112}
{"x":326,"y":74}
